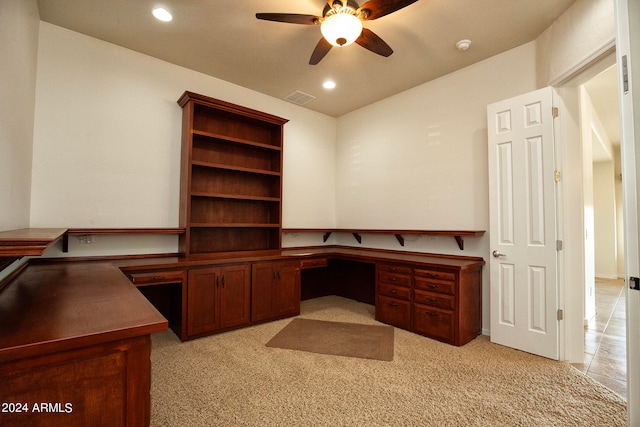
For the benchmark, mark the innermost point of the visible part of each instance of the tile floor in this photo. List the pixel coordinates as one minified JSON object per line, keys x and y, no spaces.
{"x":605,"y":338}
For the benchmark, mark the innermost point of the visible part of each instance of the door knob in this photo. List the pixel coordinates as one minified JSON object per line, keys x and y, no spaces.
{"x":497,"y":254}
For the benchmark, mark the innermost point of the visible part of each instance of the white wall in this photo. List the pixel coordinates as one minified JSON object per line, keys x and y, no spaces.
{"x":19,"y":22}
{"x":106,"y":150}
{"x":605,"y":220}
{"x":581,"y":34}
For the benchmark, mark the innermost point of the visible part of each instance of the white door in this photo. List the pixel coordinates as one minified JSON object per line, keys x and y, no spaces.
{"x":628,"y":52}
{"x":522,"y":201}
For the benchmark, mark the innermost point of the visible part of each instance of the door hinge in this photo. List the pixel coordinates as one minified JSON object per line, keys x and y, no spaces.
{"x":558,"y":245}
{"x":625,"y":75}
{"x":557,"y":176}
{"x":560,"y":314}
{"x":554,"y":112}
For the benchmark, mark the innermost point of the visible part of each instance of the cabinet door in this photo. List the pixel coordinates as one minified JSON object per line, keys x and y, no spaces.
{"x":235,"y":288}
{"x":288,"y":289}
{"x":262,"y":291}
{"x":202,"y":309}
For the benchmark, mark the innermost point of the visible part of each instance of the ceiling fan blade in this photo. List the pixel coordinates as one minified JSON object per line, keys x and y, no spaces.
{"x":322,"y":48}
{"x":379,"y":8}
{"x":291,"y":18}
{"x":369,"y":40}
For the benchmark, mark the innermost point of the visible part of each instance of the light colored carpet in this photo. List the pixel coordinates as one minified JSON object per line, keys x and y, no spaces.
{"x":336,"y":338}
{"x":233,"y":379}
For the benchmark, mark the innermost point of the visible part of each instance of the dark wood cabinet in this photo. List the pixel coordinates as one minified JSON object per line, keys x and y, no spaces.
{"x":440,"y":302}
{"x":231,"y":178}
{"x":75,"y":346}
{"x":393,"y":295}
{"x":275,"y":290}
{"x":218,"y":298}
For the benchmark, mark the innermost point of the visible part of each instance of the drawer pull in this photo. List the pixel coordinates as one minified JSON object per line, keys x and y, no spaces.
{"x":393,"y":279}
{"x":431,"y":313}
{"x":393,"y":304}
{"x":159,"y":277}
{"x":393,"y":291}
{"x":393,"y":269}
{"x":432,"y":299}
{"x":432,"y":286}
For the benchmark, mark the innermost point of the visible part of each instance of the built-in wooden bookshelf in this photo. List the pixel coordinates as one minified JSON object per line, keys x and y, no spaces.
{"x":231,"y":178}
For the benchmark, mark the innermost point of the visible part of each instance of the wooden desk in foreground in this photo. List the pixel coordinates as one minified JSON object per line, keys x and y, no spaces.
{"x":75,"y":347}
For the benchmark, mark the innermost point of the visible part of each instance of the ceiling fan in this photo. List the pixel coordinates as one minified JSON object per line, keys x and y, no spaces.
{"x":341,"y":24}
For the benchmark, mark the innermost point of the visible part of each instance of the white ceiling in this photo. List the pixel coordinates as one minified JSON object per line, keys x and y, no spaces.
{"x":225,"y":40}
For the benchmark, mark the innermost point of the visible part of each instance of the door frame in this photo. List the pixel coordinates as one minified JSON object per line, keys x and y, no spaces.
{"x":629,"y":49}
{"x":571,"y":223}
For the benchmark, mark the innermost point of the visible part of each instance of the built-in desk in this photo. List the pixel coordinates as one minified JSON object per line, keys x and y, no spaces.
{"x":439,"y":296}
{"x":75,"y":347}
{"x":75,"y":335}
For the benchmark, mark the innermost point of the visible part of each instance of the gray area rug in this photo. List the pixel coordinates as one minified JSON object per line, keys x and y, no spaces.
{"x":336,"y":338}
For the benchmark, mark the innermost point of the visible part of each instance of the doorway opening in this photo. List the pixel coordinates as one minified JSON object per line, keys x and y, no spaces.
{"x":604,"y":296}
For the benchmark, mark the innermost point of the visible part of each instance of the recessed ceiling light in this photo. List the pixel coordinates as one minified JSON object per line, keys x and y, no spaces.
{"x":329,"y":84}
{"x":162,"y":14}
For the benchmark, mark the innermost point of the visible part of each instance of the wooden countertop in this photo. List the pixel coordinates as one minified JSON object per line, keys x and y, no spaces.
{"x":60,"y":306}
{"x":367,"y":255}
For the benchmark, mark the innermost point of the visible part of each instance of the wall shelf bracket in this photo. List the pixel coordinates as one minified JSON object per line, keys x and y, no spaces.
{"x":326,"y":236}
{"x":400,"y":239}
{"x":357,"y":237}
{"x":460,"y":242}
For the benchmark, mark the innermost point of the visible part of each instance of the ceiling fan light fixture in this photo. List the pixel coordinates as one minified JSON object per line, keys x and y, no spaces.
{"x":341,"y":29}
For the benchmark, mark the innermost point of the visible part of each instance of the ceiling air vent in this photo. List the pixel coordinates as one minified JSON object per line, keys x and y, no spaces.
{"x":300,"y":98}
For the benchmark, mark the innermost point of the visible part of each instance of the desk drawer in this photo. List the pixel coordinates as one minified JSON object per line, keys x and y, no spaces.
{"x":435,"y":300}
{"x":393,"y":311}
{"x":394,"y":291}
{"x":394,"y":279}
{"x":313,"y":263}
{"x":435,"y":274}
{"x":157,"y":277}
{"x":394,"y":268}
{"x":434,"y":323}
{"x":431,"y":285}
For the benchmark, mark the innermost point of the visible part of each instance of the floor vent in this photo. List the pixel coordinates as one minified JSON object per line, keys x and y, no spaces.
{"x":300,"y":98}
